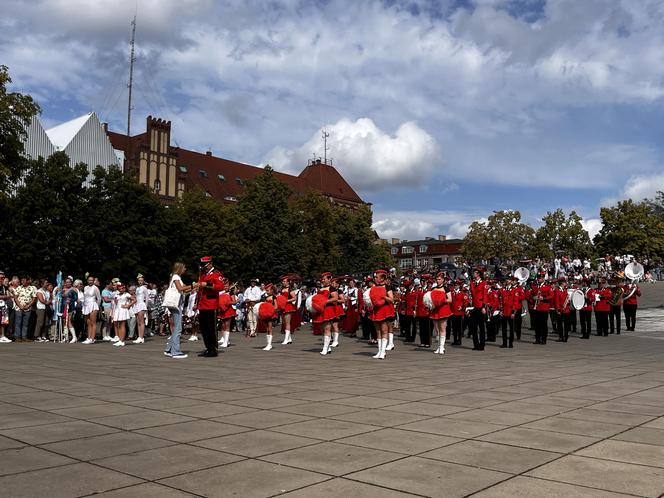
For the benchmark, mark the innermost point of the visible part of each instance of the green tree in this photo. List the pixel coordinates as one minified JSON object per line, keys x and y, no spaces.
{"x":563,"y":234}
{"x":502,"y":236}
{"x":266,"y":228}
{"x":16,"y":111}
{"x":44,"y":233}
{"x":632,"y":228}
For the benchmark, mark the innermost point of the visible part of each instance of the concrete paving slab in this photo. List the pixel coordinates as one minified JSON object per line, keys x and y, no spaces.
{"x":604,"y":416}
{"x":539,"y":439}
{"x":168,"y":461}
{"x":262,"y":419}
{"x":118,"y":443}
{"x":400,"y":441}
{"x":332,"y":458}
{"x":256,"y":443}
{"x":318,"y":409}
{"x":29,"y":458}
{"x":658,"y":423}
{"x":574,"y":426}
{"x":344,"y":487}
{"x":443,"y":426}
{"x":429,"y":477}
{"x":380,"y":417}
{"x":147,"y":490}
{"x":527,"y":487}
{"x":624,"y":451}
{"x":248,"y":478}
{"x":619,"y":477}
{"x":425,"y":408}
{"x":30,"y":418}
{"x":141,"y":419}
{"x":492,"y":456}
{"x":647,"y":435}
{"x":61,"y":431}
{"x":494,"y":416}
{"x":325,"y":430}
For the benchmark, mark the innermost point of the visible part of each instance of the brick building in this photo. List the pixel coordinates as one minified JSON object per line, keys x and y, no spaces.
{"x":425,"y":254}
{"x":171,"y":170}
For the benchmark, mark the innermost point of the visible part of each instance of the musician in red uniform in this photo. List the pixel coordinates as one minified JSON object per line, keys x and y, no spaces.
{"x":632,"y":292}
{"x":478,"y":292}
{"x":603,"y":297}
{"x":460,"y":302}
{"x":586,"y":313}
{"x":616,"y":304}
{"x":329,"y":313}
{"x":290,"y":309}
{"x":226,"y":313}
{"x":440,"y":311}
{"x":493,"y":305}
{"x":543,"y":296}
{"x":407,"y":316}
{"x":422,"y":313}
{"x":210,"y":283}
{"x":508,"y":309}
{"x":518,"y":296}
{"x":561,"y":300}
{"x":382,"y":311}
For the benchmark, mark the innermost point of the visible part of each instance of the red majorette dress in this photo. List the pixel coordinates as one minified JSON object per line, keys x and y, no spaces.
{"x":290,"y":307}
{"x":441,"y":309}
{"x":226,"y":309}
{"x":266,"y":313}
{"x":329,"y":312}
{"x":381,"y":310}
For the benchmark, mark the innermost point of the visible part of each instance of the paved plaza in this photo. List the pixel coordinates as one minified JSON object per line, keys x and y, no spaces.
{"x":585,"y":418}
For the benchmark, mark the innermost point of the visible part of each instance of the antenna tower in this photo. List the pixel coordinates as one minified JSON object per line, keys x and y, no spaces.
{"x":132,"y":59}
{"x":325,"y":136}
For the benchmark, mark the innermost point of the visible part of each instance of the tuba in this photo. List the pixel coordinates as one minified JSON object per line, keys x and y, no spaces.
{"x":617,"y":295}
{"x":634,"y":271}
{"x":522,"y":274}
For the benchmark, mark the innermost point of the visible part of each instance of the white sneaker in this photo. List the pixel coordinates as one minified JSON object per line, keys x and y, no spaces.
{"x":268,"y":347}
{"x":87,"y":341}
{"x":106,"y":338}
{"x":5,"y":339}
{"x":140,"y":340}
{"x":180,"y":356}
{"x":166,"y":353}
{"x":114,"y":339}
{"x":119,"y":343}
{"x":193,"y":338}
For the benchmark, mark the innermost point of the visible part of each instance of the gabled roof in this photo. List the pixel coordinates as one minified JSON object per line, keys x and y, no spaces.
{"x":327,"y":180}
{"x":62,"y":134}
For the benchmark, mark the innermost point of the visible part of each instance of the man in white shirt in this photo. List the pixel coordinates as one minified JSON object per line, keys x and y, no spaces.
{"x":252,"y":295}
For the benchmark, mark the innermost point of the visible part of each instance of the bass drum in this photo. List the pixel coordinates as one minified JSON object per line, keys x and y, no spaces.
{"x":366,"y":297}
{"x":315,"y":304}
{"x":428,"y":302}
{"x":577,"y":298}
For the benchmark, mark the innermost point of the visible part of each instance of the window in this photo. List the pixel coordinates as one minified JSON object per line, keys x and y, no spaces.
{"x":394,"y":251}
{"x":239,"y":181}
{"x":406,"y":263}
{"x":221,"y":177}
{"x":423,"y":248}
{"x":208,"y":194}
{"x":230,"y":198}
{"x":183,"y":169}
{"x":406,"y":250}
{"x":203,"y":173}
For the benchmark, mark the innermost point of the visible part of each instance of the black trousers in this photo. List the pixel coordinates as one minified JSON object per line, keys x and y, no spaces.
{"x":541,"y":326}
{"x":602,"y":319}
{"x":554,"y":322}
{"x":508,"y":321}
{"x":585,"y":319}
{"x":424,"y":324}
{"x":518,"y":319}
{"x":456,"y":322}
{"x":402,"y":317}
{"x":630,"y":316}
{"x":478,"y":323}
{"x":531,"y":314}
{"x":563,"y":326}
{"x":572,"y":320}
{"x":208,"y":326}
{"x":614,"y":319}
{"x":407,"y":327}
{"x":368,"y":329}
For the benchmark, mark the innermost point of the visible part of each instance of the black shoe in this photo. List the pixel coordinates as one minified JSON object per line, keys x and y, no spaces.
{"x":202,"y":353}
{"x":510,"y":346}
{"x":502,"y":346}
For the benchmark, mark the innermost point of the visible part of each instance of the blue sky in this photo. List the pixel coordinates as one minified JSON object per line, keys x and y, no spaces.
{"x":438,"y":112}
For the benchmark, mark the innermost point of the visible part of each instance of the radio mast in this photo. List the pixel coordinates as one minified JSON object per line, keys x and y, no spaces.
{"x":132,"y":58}
{"x":325,"y":136}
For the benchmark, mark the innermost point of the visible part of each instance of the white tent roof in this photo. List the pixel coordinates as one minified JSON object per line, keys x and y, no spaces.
{"x":62,"y":134}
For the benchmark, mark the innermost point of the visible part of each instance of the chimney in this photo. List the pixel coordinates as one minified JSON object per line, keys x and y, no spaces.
{"x":105,"y":127}
{"x":442,"y":237}
{"x":395,"y":242}
{"x":429,"y":238}
{"x":208,"y":152}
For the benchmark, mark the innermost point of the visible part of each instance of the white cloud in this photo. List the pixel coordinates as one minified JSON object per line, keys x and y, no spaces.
{"x":592,"y":226}
{"x":414,"y":225}
{"x":368,"y":157}
{"x":640,"y":187}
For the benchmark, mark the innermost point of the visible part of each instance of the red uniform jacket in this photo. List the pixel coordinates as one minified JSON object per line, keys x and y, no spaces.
{"x":411,"y":297}
{"x":518,"y":295}
{"x":559,"y":301}
{"x":421,"y":310}
{"x":637,"y":293}
{"x":604,"y":299}
{"x":509,"y":302}
{"x":546,"y":297}
{"x":460,"y":301}
{"x":493,"y":300}
{"x":479,"y":293}
{"x":208,"y":296}
{"x":590,"y":299}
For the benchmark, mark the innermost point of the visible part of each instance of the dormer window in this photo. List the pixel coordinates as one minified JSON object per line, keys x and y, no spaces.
{"x":183,"y":169}
{"x":221,"y":177}
{"x":423,"y":248}
{"x":203,"y":173}
{"x":239,"y":181}
{"x":406,"y":250}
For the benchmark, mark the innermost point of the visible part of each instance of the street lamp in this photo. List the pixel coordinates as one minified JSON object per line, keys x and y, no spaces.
{"x":157,"y":186}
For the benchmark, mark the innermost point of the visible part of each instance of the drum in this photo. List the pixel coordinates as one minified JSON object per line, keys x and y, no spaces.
{"x":577,"y":299}
{"x":281,"y":302}
{"x":316,"y":304}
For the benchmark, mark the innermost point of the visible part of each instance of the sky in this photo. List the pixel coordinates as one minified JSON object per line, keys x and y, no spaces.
{"x":438,"y":112}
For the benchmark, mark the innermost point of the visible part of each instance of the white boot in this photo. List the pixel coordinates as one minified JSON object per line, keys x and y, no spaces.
{"x":326,"y":345}
{"x":72,"y":331}
{"x":335,"y":342}
{"x":287,"y":339}
{"x":380,"y":349}
{"x":441,"y":341}
{"x":225,"y":340}
{"x":383,"y":349}
{"x":390,"y":342}
{"x":269,"y":343}
{"x":437,"y":350}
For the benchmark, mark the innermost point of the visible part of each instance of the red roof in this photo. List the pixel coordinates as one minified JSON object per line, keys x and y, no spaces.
{"x":434,"y":247}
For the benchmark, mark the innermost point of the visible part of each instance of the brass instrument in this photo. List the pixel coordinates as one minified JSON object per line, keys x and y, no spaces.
{"x":538,"y":297}
{"x":631,"y":292}
{"x":616,"y":296}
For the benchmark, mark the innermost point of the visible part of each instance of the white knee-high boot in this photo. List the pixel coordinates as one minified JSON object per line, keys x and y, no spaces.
{"x":287,"y":339}
{"x":326,"y":345}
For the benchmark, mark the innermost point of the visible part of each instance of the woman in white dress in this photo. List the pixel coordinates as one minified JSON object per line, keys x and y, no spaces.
{"x":91,"y":302}
{"x":122,"y":301}
{"x":141,"y":308}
